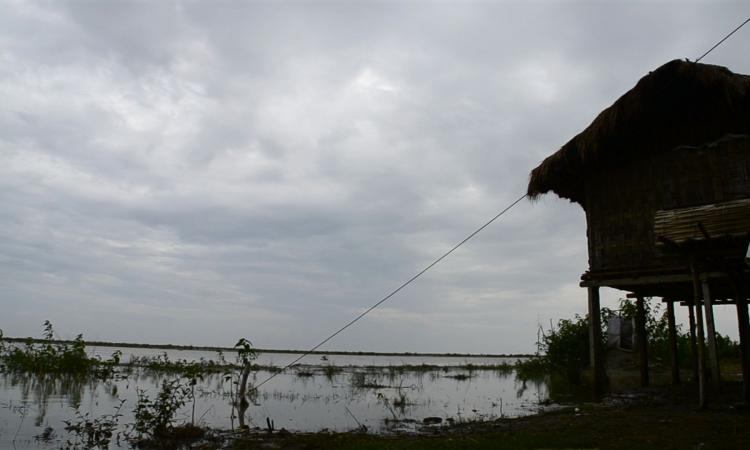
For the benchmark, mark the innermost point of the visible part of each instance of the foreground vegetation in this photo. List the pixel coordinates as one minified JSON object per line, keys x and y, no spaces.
{"x":47,"y":357}
{"x":154,"y":417}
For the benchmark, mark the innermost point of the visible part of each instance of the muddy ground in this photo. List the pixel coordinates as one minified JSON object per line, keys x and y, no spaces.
{"x":665,"y":418}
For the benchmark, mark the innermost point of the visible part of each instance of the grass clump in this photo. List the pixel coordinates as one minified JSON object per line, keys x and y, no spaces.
{"x":162,"y":363}
{"x":535,"y":368}
{"x":329,"y":370}
{"x":359,"y":380}
{"x":87,"y":432}
{"x":460,"y":376}
{"x":48,"y":356}
{"x":155,"y":417}
{"x":304,"y":373}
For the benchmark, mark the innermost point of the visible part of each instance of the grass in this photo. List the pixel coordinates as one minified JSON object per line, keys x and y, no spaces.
{"x":674,"y":425}
{"x":359,"y":380}
{"x":267,"y":350}
{"x":163,"y":363}
{"x":531,"y":369}
{"x":55,"y":356}
{"x":329,"y":370}
{"x":45,"y":356}
{"x":50,"y":355}
{"x":459,"y":376}
{"x":304,"y":373}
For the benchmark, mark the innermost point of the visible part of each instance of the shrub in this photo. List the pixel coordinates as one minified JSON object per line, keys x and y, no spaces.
{"x":92,"y":433}
{"x":657,"y":331}
{"x":49,"y":356}
{"x":565,"y":348}
{"x":155,"y":418}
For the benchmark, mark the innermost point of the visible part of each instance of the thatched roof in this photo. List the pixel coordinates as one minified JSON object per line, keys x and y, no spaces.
{"x":680,"y":103}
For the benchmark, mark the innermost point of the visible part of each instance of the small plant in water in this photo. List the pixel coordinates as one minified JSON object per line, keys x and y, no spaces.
{"x":382,"y":398}
{"x":459,"y":376}
{"x":246,"y":354}
{"x":193,"y":374}
{"x":154,"y":418}
{"x":400,"y":402}
{"x":305,"y":373}
{"x":162,"y":363}
{"x":92,"y":433}
{"x":329,"y":370}
{"x":46,"y":436}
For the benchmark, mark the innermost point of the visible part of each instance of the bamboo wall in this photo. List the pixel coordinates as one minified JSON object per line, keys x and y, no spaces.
{"x":621,"y":200}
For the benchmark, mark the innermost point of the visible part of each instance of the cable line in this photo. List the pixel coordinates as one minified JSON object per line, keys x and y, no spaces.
{"x":722,"y":41}
{"x":454,"y":248}
{"x":394,"y":292}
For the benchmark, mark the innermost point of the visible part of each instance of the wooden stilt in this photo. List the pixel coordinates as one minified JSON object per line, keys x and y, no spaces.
{"x":744,"y":332}
{"x":673,"y":343}
{"x":693,"y":341}
{"x":640,"y":319}
{"x":713,"y":354}
{"x":595,"y":343}
{"x":702,"y":401}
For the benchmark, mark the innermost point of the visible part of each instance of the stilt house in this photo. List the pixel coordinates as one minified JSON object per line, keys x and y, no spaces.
{"x":663,"y":176}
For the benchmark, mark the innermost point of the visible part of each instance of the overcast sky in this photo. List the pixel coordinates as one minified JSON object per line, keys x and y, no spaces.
{"x":195,"y":172}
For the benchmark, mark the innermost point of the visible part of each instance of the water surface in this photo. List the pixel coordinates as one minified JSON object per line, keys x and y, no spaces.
{"x":364,"y":390}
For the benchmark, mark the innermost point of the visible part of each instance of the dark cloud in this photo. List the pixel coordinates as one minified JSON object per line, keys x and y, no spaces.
{"x":269,"y":170}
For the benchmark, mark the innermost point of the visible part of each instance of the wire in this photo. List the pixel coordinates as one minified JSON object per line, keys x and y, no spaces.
{"x":394,"y":292}
{"x":431,"y":265}
{"x":722,"y":41}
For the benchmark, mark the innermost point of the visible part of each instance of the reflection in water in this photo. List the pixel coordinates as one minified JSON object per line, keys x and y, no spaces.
{"x":308,"y":398}
{"x":40,"y":390}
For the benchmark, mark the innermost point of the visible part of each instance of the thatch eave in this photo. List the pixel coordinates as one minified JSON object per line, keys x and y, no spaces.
{"x":680,"y":103}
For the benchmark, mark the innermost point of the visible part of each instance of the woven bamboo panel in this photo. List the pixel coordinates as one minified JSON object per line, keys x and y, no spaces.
{"x":719,"y":219}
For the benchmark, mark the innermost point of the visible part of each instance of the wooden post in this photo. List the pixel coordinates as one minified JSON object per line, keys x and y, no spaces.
{"x":713,"y":354}
{"x":673,"y":343}
{"x":640,"y":323}
{"x":744,"y":331}
{"x":699,"y":325}
{"x":595,"y":343}
{"x":693,"y":340}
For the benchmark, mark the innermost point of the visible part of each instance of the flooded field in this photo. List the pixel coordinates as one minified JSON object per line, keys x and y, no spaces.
{"x":335,"y":392}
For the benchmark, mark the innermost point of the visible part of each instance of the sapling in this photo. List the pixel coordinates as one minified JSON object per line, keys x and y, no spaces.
{"x":245,"y":356}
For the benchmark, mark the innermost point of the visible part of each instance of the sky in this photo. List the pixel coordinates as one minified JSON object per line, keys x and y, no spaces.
{"x":193,"y":172}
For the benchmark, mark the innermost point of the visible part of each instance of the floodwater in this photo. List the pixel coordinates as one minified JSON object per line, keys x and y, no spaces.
{"x":364,"y":390}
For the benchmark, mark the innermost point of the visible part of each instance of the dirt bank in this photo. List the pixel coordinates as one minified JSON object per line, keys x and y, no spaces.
{"x":640,"y":419}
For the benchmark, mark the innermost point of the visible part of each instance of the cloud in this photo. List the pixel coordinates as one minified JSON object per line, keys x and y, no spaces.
{"x":269,"y":170}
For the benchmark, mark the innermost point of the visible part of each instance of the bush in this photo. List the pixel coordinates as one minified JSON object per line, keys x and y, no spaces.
{"x":535,"y":368}
{"x":564,"y":348}
{"x":92,"y":433}
{"x":155,"y":418}
{"x":49,"y":356}
{"x":657,"y":331}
